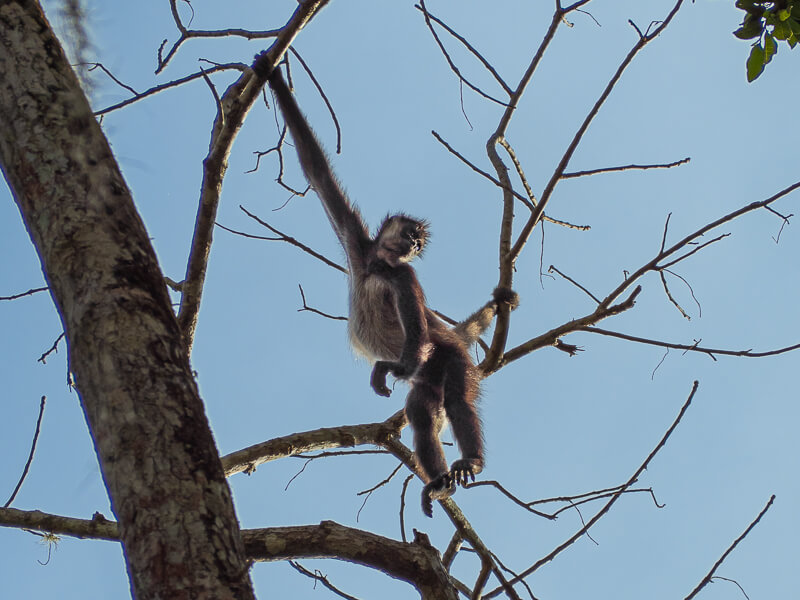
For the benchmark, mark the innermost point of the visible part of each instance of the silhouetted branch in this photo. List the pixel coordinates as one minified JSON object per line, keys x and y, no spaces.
{"x":30,"y":454}
{"x":625,"y":168}
{"x":725,"y":554}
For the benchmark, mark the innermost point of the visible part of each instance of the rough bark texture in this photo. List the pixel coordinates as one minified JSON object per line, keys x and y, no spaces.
{"x":157,"y":455}
{"x":418,"y":563}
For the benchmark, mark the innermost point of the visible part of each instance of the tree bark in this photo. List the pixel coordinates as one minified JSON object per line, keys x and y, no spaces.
{"x":131,"y":368}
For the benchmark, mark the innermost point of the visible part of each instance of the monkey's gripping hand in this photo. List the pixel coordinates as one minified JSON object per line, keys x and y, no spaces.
{"x":465,"y":469}
{"x":379,"y":372}
{"x":440,"y":488}
{"x":504,"y":295}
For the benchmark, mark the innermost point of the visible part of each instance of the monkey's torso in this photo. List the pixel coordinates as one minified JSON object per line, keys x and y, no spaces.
{"x":374,"y":325}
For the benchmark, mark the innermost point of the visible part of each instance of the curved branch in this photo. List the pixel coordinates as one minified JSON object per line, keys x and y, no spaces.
{"x":416,"y":563}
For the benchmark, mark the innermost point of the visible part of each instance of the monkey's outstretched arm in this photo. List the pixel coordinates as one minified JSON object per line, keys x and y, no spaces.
{"x":471,"y":328}
{"x":344,"y":217}
{"x":410,"y":305}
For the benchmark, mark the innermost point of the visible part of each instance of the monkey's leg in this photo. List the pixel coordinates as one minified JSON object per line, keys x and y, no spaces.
{"x":460,"y":393}
{"x":424,"y":413}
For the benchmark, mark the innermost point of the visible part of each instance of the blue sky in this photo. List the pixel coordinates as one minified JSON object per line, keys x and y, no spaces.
{"x":554,"y":425}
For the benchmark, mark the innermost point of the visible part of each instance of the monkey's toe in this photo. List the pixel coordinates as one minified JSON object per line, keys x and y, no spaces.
{"x":465,"y":469}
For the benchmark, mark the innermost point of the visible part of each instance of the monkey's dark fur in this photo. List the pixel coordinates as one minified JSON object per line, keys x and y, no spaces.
{"x":390,"y":324}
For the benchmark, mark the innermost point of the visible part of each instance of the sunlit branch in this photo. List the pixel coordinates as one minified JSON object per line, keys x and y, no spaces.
{"x":608,"y":505}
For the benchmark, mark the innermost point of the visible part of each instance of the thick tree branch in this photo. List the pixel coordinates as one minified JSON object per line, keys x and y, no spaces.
{"x":126,"y":352}
{"x":236,"y":103}
{"x":346,"y":436}
{"x":417,"y":562}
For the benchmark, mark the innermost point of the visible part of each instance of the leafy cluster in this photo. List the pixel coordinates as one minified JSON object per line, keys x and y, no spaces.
{"x":767,"y":22}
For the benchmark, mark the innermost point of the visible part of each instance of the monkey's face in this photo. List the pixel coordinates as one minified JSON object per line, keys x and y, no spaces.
{"x":401,"y":239}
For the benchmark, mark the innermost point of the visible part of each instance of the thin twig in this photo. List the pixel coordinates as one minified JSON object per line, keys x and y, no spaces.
{"x":54,"y":348}
{"x":403,"y":508}
{"x":306,"y":307}
{"x":575,"y":283}
{"x":30,"y":454}
{"x":450,"y":62}
{"x":289,"y":240}
{"x":30,"y":292}
{"x":725,"y":554}
{"x":468,"y":46}
{"x":318,"y":576}
{"x":170,"y":84}
{"x":608,"y":505}
{"x":508,"y":188}
{"x":625,"y":168}
{"x":380,"y":484}
{"x":689,"y":348}
{"x":324,"y":98}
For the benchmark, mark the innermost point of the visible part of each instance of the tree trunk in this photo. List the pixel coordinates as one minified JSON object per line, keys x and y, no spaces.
{"x":131,"y":369}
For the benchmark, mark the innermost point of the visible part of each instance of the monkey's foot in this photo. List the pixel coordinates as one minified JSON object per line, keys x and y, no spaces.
{"x":465,"y":469}
{"x":440,"y":488}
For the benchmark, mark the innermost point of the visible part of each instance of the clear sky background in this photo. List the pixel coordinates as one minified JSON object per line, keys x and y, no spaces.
{"x":554,"y":425}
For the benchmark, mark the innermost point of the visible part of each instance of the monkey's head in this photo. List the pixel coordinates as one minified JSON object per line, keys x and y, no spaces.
{"x":401,"y":239}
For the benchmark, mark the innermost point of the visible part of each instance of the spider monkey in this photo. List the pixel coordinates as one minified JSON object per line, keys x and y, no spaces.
{"x":390,"y":324}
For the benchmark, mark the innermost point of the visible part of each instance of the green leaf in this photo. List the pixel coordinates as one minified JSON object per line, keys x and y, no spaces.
{"x":770,"y":47}
{"x":782,"y":31}
{"x":749,"y":30}
{"x":794,"y":25}
{"x":792,"y":41}
{"x":784,"y":14}
{"x":755,"y":63}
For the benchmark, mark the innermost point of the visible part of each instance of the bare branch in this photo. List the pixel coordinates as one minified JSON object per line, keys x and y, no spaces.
{"x":30,"y":292}
{"x":421,"y":6}
{"x":725,"y":554}
{"x":552,"y":337}
{"x":567,"y":156}
{"x":318,"y":576}
{"x":306,"y":307}
{"x":690,"y":348}
{"x":575,"y":283}
{"x":466,"y":44}
{"x":288,"y":239}
{"x":653,"y":264}
{"x":574,"y":174}
{"x":170,"y":84}
{"x":403,"y":508}
{"x":346,"y":436}
{"x":416,"y":563}
{"x":368,"y":493}
{"x":608,"y":505}
{"x":30,"y":454}
{"x":507,"y":186}
{"x":324,"y":98}
{"x":54,"y":348}
{"x":237,"y":101}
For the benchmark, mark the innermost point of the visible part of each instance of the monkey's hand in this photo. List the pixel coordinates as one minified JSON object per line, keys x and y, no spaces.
{"x":465,"y":469}
{"x":440,"y":488}
{"x":379,"y":372}
{"x":504,"y":295}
